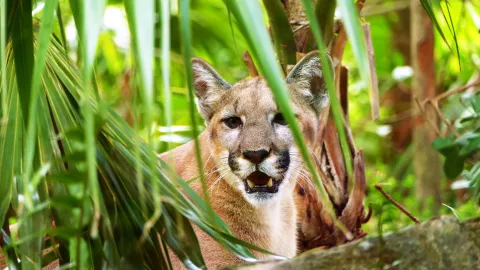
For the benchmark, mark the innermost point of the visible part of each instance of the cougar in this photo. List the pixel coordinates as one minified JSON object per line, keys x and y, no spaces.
{"x":251,"y":160}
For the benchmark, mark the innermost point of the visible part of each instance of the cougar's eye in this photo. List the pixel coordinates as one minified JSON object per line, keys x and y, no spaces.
{"x":233,"y":122}
{"x":278,"y":119}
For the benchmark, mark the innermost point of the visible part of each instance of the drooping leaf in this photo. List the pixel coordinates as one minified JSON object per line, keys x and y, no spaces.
{"x":140,"y":15}
{"x":452,"y":30}
{"x":332,"y":93}
{"x":11,"y":132}
{"x":63,"y":89}
{"x":183,"y":238}
{"x":32,"y":152}
{"x":21,"y":32}
{"x":248,"y":15}
{"x":90,"y":20}
{"x":443,"y":144}
{"x":186,"y":35}
{"x":39,"y":67}
{"x":351,"y":22}
{"x":453,"y":166}
{"x":429,"y":10}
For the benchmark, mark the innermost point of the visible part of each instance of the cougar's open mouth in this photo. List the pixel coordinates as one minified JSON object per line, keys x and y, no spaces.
{"x":261,"y":182}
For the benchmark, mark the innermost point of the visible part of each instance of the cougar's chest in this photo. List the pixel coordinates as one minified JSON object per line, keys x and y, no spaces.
{"x":282,"y":230}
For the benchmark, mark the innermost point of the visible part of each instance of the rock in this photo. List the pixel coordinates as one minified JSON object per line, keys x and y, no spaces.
{"x":442,"y":243}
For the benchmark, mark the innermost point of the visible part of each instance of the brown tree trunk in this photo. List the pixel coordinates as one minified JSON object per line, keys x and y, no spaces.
{"x":294,"y":10}
{"x":427,"y":164}
{"x":297,"y":19}
{"x":399,"y":98}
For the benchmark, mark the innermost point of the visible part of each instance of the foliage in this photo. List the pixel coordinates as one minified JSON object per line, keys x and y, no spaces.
{"x":461,"y":153}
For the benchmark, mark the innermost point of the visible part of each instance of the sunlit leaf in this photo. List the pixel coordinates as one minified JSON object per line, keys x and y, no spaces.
{"x":10,"y":146}
{"x":332,"y":93}
{"x":184,"y":7}
{"x":141,"y":19}
{"x":21,"y":31}
{"x":351,"y":22}
{"x":429,"y":10}
{"x":249,"y":16}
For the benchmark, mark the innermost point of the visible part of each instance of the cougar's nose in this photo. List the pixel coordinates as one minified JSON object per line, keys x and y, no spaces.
{"x":256,"y":156}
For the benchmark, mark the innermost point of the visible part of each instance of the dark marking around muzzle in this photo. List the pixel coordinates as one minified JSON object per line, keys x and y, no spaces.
{"x":284,"y":161}
{"x":232,"y":163}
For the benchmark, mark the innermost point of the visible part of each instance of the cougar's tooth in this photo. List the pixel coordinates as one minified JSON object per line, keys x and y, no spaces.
{"x":250,"y":184}
{"x":270,"y":182}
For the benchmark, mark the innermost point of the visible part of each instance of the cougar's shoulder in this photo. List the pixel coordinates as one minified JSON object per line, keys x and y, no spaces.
{"x":250,"y":159}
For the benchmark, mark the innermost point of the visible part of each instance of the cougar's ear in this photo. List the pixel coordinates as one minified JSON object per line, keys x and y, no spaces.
{"x":307,"y":78}
{"x":209,"y":87}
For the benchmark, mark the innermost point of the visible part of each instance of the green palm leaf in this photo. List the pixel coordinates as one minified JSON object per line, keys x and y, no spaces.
{"x":61,"y":143}
{"x":248,"y":15}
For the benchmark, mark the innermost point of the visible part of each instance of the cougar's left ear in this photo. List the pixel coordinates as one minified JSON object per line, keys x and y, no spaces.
{"x":209,"y":87}
{"x":307,"y":78}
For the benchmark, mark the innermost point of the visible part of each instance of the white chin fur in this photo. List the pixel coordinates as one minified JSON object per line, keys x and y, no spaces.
{"x":265,"y":199}
{"x":262,"y":198}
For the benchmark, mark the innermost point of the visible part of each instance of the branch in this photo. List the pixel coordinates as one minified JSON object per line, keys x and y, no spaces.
{"x":457,"y":90}
{"x":399,"y":206}
{"x":247,"y":59}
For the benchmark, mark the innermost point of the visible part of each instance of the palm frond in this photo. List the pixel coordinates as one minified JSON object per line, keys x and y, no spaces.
{"x":61,"y":144}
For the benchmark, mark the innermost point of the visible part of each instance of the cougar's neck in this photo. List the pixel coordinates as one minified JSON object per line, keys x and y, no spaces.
{"x":269,"y":226}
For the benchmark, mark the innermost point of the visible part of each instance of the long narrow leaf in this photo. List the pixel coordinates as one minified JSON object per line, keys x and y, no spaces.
{"x":21,"y":31}
{"x":91,"y":21}
{"x":249,"y":17}
{"x":5,"y":182}
{"x":187,"y":56}
{"x":43,"y":42}
{"x":141,"y":19}
{"x":351,"y":22}
{"x":63,"y":86}
{"x":429,"y":10}
{"x":335,"y":104}
{"x":10,"y":145}
{"x":62,"y":29}
{"x":32,"y":224}
{"x":3,"y":61}
{"x":451,"y":28}
{"x":165,"y":9}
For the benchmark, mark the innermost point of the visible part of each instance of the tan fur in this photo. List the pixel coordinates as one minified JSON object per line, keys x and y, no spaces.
{"x":257,"y":225}
{"x":271,"y":223}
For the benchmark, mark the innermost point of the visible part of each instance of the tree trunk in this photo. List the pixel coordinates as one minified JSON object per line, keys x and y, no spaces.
{"x":399,"y":98}
{"x":443,"y":243}
{"x":427,"y":164}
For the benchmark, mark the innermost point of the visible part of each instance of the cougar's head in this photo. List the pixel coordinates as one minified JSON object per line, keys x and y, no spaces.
{"x":250,"y":141}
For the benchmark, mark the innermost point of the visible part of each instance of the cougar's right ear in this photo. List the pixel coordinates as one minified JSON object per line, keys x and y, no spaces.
{"x":209,"y":87}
